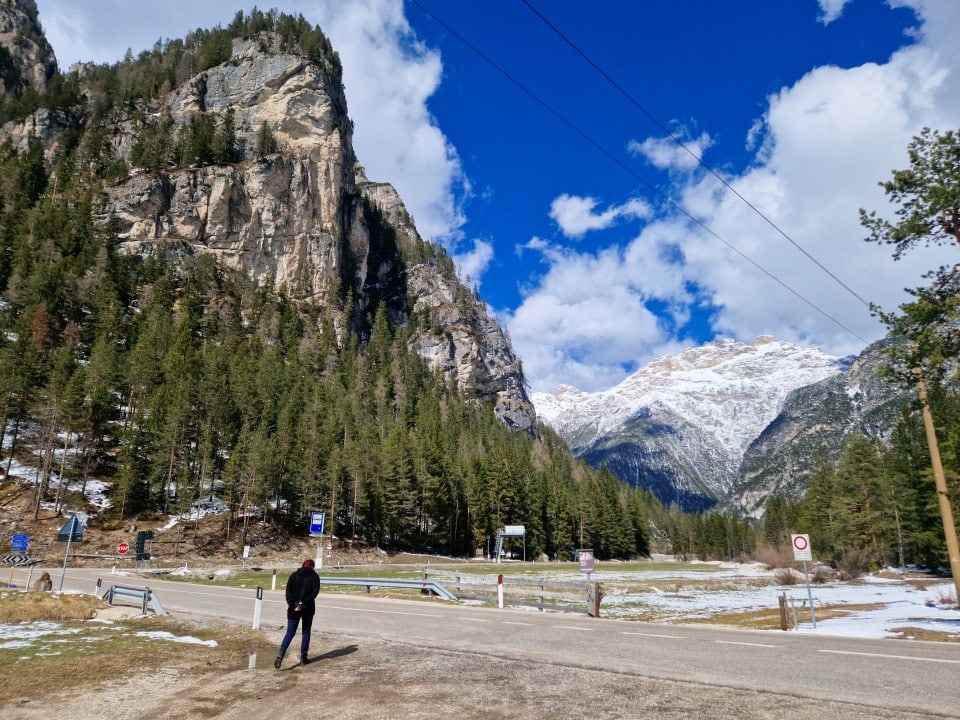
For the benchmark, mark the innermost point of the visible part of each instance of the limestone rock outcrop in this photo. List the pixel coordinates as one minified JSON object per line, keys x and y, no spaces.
{"x":296,"y":212}
{"x":26,"y":58}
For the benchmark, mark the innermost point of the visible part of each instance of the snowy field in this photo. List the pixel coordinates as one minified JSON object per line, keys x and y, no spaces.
{"x":899,"y":605}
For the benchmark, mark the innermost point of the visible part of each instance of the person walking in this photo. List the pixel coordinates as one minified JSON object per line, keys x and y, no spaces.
{"x":302,"y":589}
{"x":43,"y":583}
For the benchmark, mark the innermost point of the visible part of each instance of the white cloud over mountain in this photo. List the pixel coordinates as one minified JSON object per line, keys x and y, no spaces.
{"x":824,"y":144}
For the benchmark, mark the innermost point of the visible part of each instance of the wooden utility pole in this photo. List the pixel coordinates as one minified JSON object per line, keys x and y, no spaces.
{"x":946,"y":512}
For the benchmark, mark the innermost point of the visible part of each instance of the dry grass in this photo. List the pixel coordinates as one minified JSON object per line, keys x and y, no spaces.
{"x":774,"y":556}
{"x":912,"y":633}
{"x":18,"y":607}
{"x":69,"y":651}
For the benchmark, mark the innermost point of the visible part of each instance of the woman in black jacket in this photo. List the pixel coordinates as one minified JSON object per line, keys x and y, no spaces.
{"x":302,"y":588}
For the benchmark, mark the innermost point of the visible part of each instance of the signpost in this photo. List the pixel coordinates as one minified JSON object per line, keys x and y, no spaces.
{"x":802,"y":551}
{"x":72,"y":531}
{"x":511,"y":531}
{"x":586,"y":561}
{"x":316,"y":530}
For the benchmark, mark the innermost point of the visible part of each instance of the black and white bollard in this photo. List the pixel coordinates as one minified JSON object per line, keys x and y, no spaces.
{"x":258,"y":608}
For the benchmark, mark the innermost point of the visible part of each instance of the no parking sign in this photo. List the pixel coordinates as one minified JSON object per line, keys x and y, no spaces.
{"x":801,"y":547}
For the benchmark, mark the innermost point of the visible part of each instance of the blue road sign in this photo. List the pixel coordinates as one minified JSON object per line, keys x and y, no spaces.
{"x":316,"y":523}
{"x":20,"y":542}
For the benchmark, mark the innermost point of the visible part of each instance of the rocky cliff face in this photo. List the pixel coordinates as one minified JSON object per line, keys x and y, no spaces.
{"x":26,"y":58}
{"x":281,"y":219}
{"x":824,"y":414}
{"x":302,"y":215}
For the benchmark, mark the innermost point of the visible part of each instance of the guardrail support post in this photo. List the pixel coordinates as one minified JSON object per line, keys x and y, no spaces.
{"x":257,"y":608}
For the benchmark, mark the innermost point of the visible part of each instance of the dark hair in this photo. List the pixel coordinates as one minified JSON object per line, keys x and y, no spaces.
{"x":308,"y":563}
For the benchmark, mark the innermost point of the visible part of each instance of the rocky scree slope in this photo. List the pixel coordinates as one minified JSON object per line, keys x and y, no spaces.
{"x":303,"y":217}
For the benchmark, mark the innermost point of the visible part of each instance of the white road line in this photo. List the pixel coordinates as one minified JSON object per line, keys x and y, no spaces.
{"x":891,"y":657}
{"x":571,"y":627}
{"x":381,"y":612}
{"x":669,"y":637}
{"x":477,"y":620}
{"x":730,"y":642}
{"x":510,"y":622}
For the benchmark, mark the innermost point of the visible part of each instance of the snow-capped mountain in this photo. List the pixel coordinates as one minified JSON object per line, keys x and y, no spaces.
{"x":681,"y":425}
{"x":822,"y":415}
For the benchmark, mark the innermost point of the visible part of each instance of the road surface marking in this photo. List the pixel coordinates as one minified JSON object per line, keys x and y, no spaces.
{"x":571,"y":627}
{"x":669,"y":637}
{"x":480,"y":620}
{"x":382,"y":612}
{"x":892,"y":657}
{"x":730,"y":642}
{"x":509,"y":622}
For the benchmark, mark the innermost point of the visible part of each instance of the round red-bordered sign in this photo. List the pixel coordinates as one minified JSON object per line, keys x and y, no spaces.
{"x":123,"y":548}
{"x":800,"y":542}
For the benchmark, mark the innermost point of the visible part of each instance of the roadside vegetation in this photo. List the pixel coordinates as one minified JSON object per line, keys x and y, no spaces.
{"x":69,"y":649}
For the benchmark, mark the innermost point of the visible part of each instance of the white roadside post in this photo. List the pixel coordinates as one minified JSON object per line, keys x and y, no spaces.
{"x":258,"y":608}
{"x":500,"y":591}
{"x":316,"y":530}
{"x":802,"y":551}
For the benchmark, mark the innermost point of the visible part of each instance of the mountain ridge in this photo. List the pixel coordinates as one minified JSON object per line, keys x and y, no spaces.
{"x":707,"y":426}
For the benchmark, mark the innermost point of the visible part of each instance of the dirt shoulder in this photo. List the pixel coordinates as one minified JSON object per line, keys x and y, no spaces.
{"x":374,"y":680}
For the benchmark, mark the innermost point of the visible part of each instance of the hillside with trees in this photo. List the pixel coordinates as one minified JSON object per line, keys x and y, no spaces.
{"x":177,"y":380}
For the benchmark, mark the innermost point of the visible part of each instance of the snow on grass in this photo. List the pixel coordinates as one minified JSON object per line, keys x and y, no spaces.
{"x":164,"y":635}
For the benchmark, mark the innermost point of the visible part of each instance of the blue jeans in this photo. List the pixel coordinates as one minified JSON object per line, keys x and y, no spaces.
{"x":292,"y":623}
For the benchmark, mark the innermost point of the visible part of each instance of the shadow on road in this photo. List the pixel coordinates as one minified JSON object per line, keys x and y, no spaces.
{"x":331,"y":654}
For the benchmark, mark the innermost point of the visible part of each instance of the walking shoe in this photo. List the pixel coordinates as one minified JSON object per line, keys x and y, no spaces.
{"x":276,"y":663}
{"x":304,"y":661}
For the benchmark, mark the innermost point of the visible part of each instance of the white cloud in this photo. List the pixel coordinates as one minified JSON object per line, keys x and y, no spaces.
{"x":821,"y":149}
{"x":666,"y":153}
{"x":830,"y":10}
{"x":472,"y":264}
{"x":585,"y":322}
{"x":388,"y":76}
{"x":575,"y":216}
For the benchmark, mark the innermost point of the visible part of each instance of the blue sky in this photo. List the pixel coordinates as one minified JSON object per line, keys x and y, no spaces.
{"x":580,"y":238}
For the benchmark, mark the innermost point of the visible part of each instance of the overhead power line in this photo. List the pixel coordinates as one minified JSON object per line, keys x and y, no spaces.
{"x":603,"y":150}
{"x":679,"y":141}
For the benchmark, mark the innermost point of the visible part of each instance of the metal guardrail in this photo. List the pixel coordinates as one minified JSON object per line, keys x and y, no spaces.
{"x":537,"y":593}
{"x":144,"y":595}
{"x":429,"y":585}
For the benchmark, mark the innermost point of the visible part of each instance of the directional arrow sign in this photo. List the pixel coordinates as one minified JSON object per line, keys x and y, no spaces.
{"x":17,"y":560}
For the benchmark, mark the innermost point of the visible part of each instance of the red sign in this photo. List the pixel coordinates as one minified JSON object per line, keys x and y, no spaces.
{"x":123,"y":548}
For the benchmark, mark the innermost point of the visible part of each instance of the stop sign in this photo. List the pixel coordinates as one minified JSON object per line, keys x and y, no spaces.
{"x":122,"y":548}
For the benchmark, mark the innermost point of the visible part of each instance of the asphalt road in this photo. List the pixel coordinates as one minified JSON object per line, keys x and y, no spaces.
{"x":902,"y":675}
